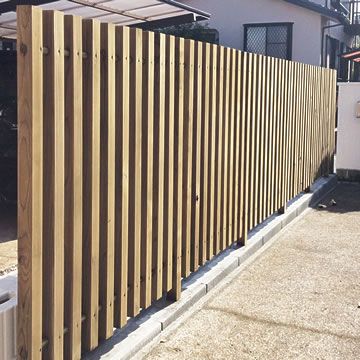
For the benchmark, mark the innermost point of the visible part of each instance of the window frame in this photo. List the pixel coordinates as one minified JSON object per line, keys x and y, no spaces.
{"x":289,"y":42}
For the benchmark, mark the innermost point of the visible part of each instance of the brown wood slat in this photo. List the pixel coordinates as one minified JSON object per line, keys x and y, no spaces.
{"x":218,"y":151}
{"x":187,"y":155}
{"x":91,"y":181}
{"x":231,"y":141}
{"x":135,"y":171}
{"x":211,"y":247}
{"x":169,"y":163}
{"x":225,"y":151}
{"x":73,"y":185}
{"x":247,"y":88}
{"x":122,"y":73}
{"x":147,"y":168}
{"x":159,"y":159}
{"x":107,"y":180}
{"x":236,"y":233}
{"x":205,"y":154}
{"x":30,"y":182}
{"x":54,"y":181}
{"x":175,"y":292}
{"x":196,"y":158}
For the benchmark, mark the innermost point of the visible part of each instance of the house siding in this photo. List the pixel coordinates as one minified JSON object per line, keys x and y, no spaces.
{"x":229,"y":16}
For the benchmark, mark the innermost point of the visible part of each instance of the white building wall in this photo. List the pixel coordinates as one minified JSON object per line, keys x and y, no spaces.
{"x":348,"y":129}
{"x":229,"y":16}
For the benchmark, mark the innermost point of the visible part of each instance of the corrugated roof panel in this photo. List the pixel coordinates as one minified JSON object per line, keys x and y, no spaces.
{"x":121,"y":12}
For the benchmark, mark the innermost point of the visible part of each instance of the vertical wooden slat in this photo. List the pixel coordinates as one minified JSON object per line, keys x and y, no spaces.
{"x":253,"y":72}
{"x":196,"y":159}
{"x":212,"y":152}
{"x":122,"y":73}
{"x":245,"y":148}
{"x":231,"y":145}
{"x":135,"y":171}
{"x":257,"y":125}
{"x":169,"y":163}
{"x":218,"y":154}
{"x":159,"y":158}
{"x":225,"y":152}
{"x":205,"y":154}
{"x":54,"y":181}
{"x":147,"y":168}
{"x":91,"y":181}
{"x":237,"y":147}
{"x":267,"y":70}
{"x":73,"y":186}
{"x":187,"y":157}
{"x":30,"y":181}
{"x":107,"y":181}
{"x":175,"y":292}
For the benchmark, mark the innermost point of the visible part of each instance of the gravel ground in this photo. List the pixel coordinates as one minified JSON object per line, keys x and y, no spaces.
{"x":300,"y":299}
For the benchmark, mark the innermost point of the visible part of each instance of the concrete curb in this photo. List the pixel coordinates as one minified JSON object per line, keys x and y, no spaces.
{"x":140,"y":331}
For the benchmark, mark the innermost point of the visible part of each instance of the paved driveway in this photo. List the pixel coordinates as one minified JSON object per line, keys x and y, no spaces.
{"x":300,"y":299}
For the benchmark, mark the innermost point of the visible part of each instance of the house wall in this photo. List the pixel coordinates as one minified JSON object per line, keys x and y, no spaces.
{"x":229,"y":16}
{"x":348,"y":131}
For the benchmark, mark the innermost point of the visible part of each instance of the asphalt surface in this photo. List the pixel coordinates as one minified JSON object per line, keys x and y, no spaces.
{"x":299,"y":299}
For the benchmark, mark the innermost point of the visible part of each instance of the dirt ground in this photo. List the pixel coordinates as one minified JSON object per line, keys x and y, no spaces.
{"x":300,"y":299}
{"x":8,"y":238}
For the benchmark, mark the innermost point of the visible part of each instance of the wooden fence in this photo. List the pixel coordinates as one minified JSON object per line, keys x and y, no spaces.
{"x":141,"y":157}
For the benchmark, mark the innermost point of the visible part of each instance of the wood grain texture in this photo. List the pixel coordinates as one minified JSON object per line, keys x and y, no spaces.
{"x":169,"y":163}
{"x":107,"y":181}
{"x":196,"y":159}
{"x":135,"y":131}
{"x":159,"y":169}
{"x":30,"y":182}
{"x":147,"y":168}
{"x":54,"y":185}
{"x":122,"y":74}
{"x":91,"y":182}
{"x":73,"y":185}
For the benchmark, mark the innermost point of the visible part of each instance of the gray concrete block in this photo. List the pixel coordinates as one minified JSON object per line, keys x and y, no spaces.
{"x":126,"y":342}
{"x":271,"y":230}
{"x":289,"y":216}
{"x":188,"y":298}
{"x":217,"y":274}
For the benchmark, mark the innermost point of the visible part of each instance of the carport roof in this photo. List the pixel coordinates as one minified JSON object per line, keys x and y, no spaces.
{"x":146,"y":14}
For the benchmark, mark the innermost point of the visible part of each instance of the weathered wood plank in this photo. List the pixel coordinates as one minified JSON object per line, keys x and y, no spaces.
{"x":107,"y":180}
{"x":175,"y":292}
{"x":187,"y":156}
{"x":196,"y":159}
{"x":54,"y":185}
{"x":205,"y":154}
{"x":122,"y":73}
{"x":169,"y":163}
{"x":73,"y":185}
{"x":158,"y":164}
{"x":91,"y":182}
{"x":147,"y":168}
{"x":135,"y":171}
{"x":30,"y":182}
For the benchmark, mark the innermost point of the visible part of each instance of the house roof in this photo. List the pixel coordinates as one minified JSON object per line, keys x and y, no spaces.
{"x":153,"y":13}
{"x":330,"y":13}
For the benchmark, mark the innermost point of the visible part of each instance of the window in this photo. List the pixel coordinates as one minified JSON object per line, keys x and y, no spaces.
{"x":272,"y":39}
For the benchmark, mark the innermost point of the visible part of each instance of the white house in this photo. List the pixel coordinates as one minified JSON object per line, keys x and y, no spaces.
{"x":312,"y":32}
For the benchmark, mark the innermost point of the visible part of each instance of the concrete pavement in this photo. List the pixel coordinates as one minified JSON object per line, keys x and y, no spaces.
{"x":298,"y":300}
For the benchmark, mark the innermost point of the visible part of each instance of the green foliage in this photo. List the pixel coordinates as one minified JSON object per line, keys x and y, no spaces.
{"x":196,"y":31}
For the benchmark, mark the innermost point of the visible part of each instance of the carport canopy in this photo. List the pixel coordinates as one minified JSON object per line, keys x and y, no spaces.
{"x":146,"y":14}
